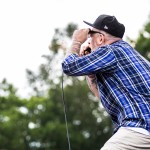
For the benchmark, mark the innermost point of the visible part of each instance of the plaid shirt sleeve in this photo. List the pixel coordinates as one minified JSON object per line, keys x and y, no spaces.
{"x":100,"y":60}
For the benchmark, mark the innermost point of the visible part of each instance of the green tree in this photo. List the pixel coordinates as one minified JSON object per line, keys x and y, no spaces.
{"x":142,"y":44}
{"x":38,"y":123}
{"x":14,"y":124}
{"x":88,"y":124}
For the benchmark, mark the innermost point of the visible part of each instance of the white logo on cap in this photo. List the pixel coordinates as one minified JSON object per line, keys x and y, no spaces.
{"x":105,"y":27}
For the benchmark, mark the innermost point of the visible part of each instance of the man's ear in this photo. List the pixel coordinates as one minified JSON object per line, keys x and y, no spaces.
{"x":100,"y":40}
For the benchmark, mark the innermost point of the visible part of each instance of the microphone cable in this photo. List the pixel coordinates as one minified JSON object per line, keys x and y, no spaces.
{"x":65,"y":112}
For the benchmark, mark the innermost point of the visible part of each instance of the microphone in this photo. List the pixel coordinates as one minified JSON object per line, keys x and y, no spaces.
{"x":87,"y":51}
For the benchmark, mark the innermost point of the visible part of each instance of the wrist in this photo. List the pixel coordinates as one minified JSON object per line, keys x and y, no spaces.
{"x":75,"y":47}
{"x":76,"y":42}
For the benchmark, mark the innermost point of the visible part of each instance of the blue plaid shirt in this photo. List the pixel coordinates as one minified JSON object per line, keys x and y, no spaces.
{"x":123,"y":78}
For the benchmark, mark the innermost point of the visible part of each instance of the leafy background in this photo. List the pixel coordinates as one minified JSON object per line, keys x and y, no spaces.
{"x":38,"y":122}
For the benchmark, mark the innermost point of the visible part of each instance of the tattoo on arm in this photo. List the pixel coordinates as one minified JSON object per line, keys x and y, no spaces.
{"x":75,"y":48}
{"x":94,"y":83}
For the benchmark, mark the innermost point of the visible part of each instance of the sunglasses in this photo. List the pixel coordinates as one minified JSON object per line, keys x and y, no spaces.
{"x":93,"y":32}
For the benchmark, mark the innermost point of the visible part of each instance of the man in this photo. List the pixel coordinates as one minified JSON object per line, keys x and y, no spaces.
{"x":119,"y":76}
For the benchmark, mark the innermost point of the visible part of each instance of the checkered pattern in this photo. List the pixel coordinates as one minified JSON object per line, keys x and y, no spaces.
{"x":123,"y":78}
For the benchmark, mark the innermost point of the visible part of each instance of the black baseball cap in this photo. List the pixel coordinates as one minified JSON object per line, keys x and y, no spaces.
{"x":108,"y":24}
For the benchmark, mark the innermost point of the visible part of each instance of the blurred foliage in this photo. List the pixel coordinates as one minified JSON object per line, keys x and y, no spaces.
{"x":38,"y":122}
{"x":13,"y":127}
{"x":60,"y":36}
{"x":142,"y":44}
{"x":83,"y":111}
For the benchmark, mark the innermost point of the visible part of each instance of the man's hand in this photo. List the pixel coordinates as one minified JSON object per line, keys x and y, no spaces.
{"x":85,"y":50}
{"x":78,"y":38}
{"x":80,"y":35}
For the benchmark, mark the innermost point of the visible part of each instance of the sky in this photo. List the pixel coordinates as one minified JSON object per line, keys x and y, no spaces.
{"x":27,"y":26}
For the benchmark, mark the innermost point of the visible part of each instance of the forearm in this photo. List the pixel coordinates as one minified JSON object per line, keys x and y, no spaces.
{"x":92,"y":83}
{"x":74,"y":48}
{"x":78,"y":38}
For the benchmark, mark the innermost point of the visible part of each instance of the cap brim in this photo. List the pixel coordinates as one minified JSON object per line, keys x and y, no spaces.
{"x":90,"y":24}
